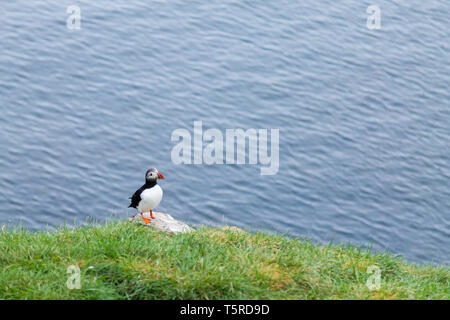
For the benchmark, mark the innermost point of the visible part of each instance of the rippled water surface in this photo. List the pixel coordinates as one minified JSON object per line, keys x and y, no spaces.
{"x":364,"y":115}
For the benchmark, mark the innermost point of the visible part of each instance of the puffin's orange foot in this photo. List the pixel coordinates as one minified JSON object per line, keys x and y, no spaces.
{"x":146,"y":220}
{"x":151,"y":215}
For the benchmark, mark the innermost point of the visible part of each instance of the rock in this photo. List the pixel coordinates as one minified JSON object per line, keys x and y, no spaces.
{"x":163,"y":222}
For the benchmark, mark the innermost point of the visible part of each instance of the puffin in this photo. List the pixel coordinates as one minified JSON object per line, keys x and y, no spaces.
{"x":147,"y":197}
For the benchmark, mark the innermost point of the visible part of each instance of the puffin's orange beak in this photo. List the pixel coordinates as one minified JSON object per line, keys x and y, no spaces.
{"x":160,"y":176}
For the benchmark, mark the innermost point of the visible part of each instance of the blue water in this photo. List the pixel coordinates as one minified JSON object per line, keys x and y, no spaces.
{"x":364,"y":115}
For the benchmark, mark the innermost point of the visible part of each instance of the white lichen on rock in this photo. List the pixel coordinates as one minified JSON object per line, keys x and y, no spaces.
{"x":163,"y":222}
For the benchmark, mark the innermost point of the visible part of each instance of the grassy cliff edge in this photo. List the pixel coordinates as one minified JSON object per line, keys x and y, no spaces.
{"x":124,"y":260}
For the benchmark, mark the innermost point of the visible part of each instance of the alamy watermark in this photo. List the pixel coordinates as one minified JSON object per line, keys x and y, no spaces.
{"x":74,"y":280}
{"x":374,"y":280}
{"x":74,"y":20}
{"x":374,"y":18}
{"x":190,"y":150}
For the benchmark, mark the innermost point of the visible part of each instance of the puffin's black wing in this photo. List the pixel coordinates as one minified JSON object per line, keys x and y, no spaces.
{"x":136,"y":198}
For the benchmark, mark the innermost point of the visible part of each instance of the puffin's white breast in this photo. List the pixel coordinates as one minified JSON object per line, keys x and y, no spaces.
{"x":150,"y":198}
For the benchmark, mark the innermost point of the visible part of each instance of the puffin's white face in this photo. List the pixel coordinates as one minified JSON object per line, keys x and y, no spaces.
{"x":153,"y":175}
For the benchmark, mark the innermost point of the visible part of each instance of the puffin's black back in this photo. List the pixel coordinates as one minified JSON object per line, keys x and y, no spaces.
{"x":136,"y":198}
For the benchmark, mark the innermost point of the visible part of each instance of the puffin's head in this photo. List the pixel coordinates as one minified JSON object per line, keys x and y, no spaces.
{"x":152,"y":175}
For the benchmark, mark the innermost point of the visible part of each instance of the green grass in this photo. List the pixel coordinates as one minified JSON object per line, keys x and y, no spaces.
{"x":129,"y":261}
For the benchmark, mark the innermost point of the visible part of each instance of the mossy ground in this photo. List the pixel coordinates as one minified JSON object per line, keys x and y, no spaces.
{"x":128,"y":261}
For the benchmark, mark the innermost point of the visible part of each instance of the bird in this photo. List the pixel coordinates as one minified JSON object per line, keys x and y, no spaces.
{"x":147,"y":197}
